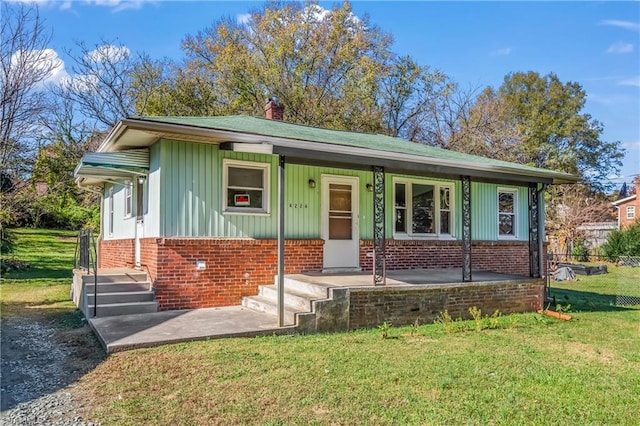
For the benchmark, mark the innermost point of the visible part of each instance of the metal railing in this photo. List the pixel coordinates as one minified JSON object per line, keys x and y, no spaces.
{"x":86,"y":258}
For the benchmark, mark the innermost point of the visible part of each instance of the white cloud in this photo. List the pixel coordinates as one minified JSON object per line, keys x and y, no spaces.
{"x":108,"y":52}
{"x":620,"y":47}
{"x":501,"y":52}
{"x":627,"y":25}
{"x":634,"y":81}
{"x":44,"y":60}
{"x":631,"y":145}
{"x":243,"y":18}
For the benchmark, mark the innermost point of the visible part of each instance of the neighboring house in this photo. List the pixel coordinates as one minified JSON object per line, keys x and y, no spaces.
{"x":628,"y":208}
{"x":195,"y":202}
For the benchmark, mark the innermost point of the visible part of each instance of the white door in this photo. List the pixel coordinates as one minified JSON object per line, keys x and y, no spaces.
{"x":340,"y":227}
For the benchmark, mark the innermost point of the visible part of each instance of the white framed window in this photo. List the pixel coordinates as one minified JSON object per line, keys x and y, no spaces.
{"x":128,"y":198}
{"x":631,"y":212}
{"x":245,"y":187}
{"x":507,"y":212}
{"x":111,"y":211}
{"x":422,"y":208}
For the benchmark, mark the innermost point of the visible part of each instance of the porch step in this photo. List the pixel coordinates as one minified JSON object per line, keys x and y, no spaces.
{"x":309,"y":287}
{"x":113,"y":309}
{"x":292,"y":296}
{"x":269,"y":306}
{"x":118,"y":286}
{"x":112,"y":277}
{"x":121,"y":297}
{"x":299,"y":298}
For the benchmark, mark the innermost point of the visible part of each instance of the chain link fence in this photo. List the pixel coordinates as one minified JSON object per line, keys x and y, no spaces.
{"x":593,"y":282}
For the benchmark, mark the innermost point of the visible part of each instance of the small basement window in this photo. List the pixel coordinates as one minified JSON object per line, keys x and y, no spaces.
{"x":507,"y":208}
{"x":246,"y":187}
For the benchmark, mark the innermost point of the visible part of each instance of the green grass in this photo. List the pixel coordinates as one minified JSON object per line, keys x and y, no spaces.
{"x":43,"y":288}
{"x":530,"y":370}
{"x":538,"y":371}
{"x":49,"y":253}
{"x":598,"y":292}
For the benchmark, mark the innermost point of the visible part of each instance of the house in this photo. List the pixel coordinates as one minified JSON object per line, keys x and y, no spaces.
{"x":213,"y":207}
{"x":628,"y":208}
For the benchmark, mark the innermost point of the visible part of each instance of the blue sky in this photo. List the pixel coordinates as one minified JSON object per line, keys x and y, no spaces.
{"x":595,"y":44}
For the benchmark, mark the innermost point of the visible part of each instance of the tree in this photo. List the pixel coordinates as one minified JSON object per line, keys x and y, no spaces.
{"x":110,"y":83}
{"x":568,"y":207}
{"x":325,"y":66}
{"x":555,"y":133}
{"x":25,"y":64}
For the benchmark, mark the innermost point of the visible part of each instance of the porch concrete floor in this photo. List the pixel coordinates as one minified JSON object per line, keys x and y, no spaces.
{"x":124,"y":332}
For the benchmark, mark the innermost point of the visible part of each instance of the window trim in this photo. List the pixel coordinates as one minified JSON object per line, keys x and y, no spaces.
{"x":631,"y":212}
{"x":128,"y":199}
{"x":438,"y":186}
{"x":266,"y":200}
{"x":514,"y":192}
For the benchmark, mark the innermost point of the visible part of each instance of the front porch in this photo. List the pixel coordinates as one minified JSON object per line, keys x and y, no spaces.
{"x":350,"y":301}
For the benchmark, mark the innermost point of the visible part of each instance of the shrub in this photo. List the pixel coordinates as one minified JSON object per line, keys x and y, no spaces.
{"x":623,"y":243}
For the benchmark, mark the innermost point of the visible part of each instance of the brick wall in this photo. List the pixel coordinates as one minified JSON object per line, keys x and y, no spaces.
{"x":402,"y":305}
{"x":234,"y":268}
{"x":508,"y":257}
{"x":116,"y":253}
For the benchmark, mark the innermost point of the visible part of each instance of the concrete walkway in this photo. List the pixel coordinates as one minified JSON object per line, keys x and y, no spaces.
{"x":124,"y":332}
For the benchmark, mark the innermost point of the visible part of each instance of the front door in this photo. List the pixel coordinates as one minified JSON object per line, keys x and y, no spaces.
{"x":340,"y":229}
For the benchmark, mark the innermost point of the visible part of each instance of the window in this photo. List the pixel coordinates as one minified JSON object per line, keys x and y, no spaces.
{"x":631,"y":212}
{"x":128,"y":198}
{"x":111,"y":211}
{"x":422,"y":208}
{"x":246,"y":187}
{"x":507,"y":213}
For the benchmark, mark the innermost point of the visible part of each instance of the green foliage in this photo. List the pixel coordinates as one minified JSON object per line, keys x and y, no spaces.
{"x":580,"y":251}
{"x":384,"y":329}
{"x":555,"y":133}
{"x":624,"y":242}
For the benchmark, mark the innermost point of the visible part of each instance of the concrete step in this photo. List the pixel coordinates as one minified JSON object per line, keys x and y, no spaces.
{"x":122,"y":297}
{"x":116,"y":277}
{"x":305,"y":286}
{"x":119,"y":287}
{"x":263,"y":304}
{"x":114,"y":309}
{"x":292,"y":296}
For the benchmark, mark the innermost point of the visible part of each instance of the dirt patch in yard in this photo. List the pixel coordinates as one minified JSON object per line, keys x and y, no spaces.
{"x":42,"y":358}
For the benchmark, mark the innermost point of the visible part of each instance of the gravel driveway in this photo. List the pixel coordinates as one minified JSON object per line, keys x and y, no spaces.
{"x":40,"y":363}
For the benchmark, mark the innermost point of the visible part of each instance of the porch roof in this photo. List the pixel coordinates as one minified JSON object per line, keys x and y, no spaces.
{"x":305,"y":142}
{"x":98,"y":167}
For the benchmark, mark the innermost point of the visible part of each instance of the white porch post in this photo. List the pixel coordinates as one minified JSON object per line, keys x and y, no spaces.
{"x":281,"y":162}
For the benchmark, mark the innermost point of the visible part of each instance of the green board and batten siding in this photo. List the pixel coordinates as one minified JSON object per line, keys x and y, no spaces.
{"x":190,"y":203}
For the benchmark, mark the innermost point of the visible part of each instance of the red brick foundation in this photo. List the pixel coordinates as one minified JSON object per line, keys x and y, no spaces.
{"x":234,"y":268}
{"x":116,"y":254}
{"x":402,"y":305}
{"x":507,"y":257}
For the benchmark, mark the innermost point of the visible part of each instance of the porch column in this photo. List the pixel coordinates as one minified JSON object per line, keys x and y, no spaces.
{"x":466,"y":228}
{"x":281,"y":162}
{"x":379,"y":272}
{"x":534,"y":231}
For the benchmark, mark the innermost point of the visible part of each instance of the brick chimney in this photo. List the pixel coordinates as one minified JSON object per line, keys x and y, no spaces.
{"x":274,"y":110}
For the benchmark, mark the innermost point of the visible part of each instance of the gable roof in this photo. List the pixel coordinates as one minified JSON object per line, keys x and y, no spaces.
{"x":299,"y":141}
{"x":624,"y":200}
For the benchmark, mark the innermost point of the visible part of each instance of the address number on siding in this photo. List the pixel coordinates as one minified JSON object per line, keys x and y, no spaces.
{"x":297,"y":206}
